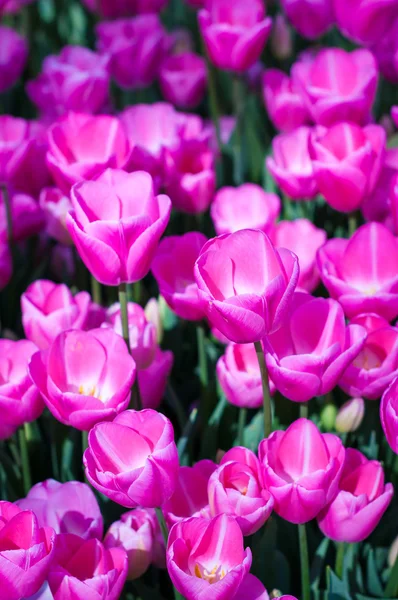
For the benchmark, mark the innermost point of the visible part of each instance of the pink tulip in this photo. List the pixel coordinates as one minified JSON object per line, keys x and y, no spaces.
{"x":285,"y":106}
{"x":43,"y":594}
{"x":116,"y":225}
{"x":350,"y":415}
{"x":246,"y":284}
{"x":361,"y":501}
{"x":137,"y":533}
{"x":153,"y":380}
{"x":133,"y":460}
{"x":244,"y":207}
{"x":31,"y":174}
{"x":183,"y":79}
{"x":190,"y":498}
{"x":82,"y":146}
{"x":5,"y":264}
{"x":13,"y":55}
{"x":111,"y":9}
{"x":77,"y":79}
{"x":304,"y":239}
{"x":207,"y":558}
{"x":385,"y":51}
{"x":16,"y":135}
{"x":26,"y":552}
{"x":235,"y":489}
{"x":85,"y":568}
{"x":26,"y":215}
{"x":311,"y":18}
{"x":55,"y":206}
{"x":234,"y":33}
{"x":190,"y":176}
{"x":389,"y":414}
{"x":347,"y":162}
{"x":136,"y":48}
{"x":309,"y":361}
{"x":20,"y":400}
{"x":361,"y":286}
{"x":380,"y":206}
{"x":84,"y":377}
{"x":338,"y":85}
{"x":252,"y":588}
{"x":173,"y":269}
{"x":364,"y":21}
{"x":302,"y":482}
{"x":291,"y":165}
{"x":49,"y":308}
{"x":66,"y":507}
{"x":142,"y":333}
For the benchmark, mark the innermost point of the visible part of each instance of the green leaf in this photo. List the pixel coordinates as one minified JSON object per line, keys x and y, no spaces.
{"x":318,"y":562}
{"x":373,"y":582}
{"x":337,"y":589}
{"x":254,"y":432}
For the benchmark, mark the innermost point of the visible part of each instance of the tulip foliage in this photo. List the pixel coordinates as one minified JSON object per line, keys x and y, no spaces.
{"x":198,"y":299}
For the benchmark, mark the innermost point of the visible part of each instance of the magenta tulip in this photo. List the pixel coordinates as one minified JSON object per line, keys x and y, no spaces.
{"x":133,"y":460}
{"x":364,"y":21}
{"x":302,"y":482}
{"x":311,"y":19}
{"x":286,"y":108}
{"x":183,"y":79}
{"x":389,"y":414}
{"x":246,"y":284}
{"x":16,"y":136}
{"x":5,"y":264}
{"x":362,"y":286}
{"x":55,"y":206}
{"x":13,"y":55}
{"x":66,"y":507}
{"x":26,"y":215}
{"x":361,"y":501}
{"x":245,"y":207}
{"x":153,"y":380}
{"x":234,"y":33}
{"x":385,"y":51}
{"x":84,"y":377}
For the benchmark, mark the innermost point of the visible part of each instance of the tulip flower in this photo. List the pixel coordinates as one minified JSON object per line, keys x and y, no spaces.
{"x":26,"y":216}
{"x":389,"y":414}
{"x":133,"y":460}
{"x":20,"y":401}
{"x":338,"y":85}
{"x":361,"y":501}
{"x":116,"y":225}
{"x":291,"y":166}
{"x":190,"y":498}
{"x":55,"y":206}
{"x":173,"y":269}
{"x":385,"y":51}
{"x":85,"y":568}
{"x":350,"y":415}
{"x":252,"y":588}
{"x":113,"y":9}
{"x":311,"y":19}
{"x":16,"y":136}
{"x":152,"y":381}
{"x":362,"y":286}
{"x":286,"y":108}
{"x":302,"y":482}
{"x":246,"y":284}
{"x":183,"y":79}
{"x":13,"y":55}
{"x":303,"y":361}
{"x":245,"y":207}
{"x":29,"y":174}
{"x":234,"y":33}
{"x":364,"y":21}
{"x":26,"y":552}
{"x":66,"y":507}
{"x":84,"y":377}
{"x":347,"y":162}
{"x":82,"y":146}
{"x":5,"y":264}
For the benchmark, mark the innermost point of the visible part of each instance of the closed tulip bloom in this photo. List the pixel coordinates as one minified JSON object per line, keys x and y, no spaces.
{"x":246,"y":284}
{"x":207,"y":558}
{"x":311,"y":18}
{"x":116,"y":225}
{"x":133,"y":460}
{"x":338,"y":85}
{"x":66,"y":507}
{"x":361,"y":501}
{"x":82,"y":146}
{"x":234,"y":33}
{"x":305,"y":480}
{"x":29,"y":174}
{"x":245,"y":207}
{"x":76,"y":79}
{"x":286,"y":108}
{"x":84,"y":377}
{"x":389,"y":414}
{"x":350,"y":415}
{"x":291,"y":166}
{"x":385,"y":51}
{"x":26,"y":552}
{"x":309,"y":361}
{"x":347,"y":162}
{"x":235,"y":489}
{"x":183,"y":79}
{"x":153,"y":380}
{"x":190,"y":498}
{"x":55,"y":206}
{"x":13,"y":55}
{"x":86,"y":569}
{"x":5,"y":264}
{"x":26,"y":215}
{"x":364,"y":21}
{"x":304,"y":239}
{"x":362,"y":286}
{"x":20,"y":400}
{"x":173,"y":269}
{"x":16,"y":136}
{"x":136,"y":48}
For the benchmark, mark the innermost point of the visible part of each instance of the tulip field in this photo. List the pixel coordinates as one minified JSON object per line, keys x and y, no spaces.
{"x":198,"y":299}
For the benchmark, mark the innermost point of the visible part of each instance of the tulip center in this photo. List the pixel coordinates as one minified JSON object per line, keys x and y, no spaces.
{"x":89,"y":391}
{"x":216,"y":574}
{"x":370,"y":357}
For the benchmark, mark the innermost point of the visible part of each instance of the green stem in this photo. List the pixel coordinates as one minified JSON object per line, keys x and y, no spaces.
{"x":95,"y":290}
{"x":391,"y":590}
{"x":352,"y":223}
{"x":239,"y":102}
{"x":135,"y":396}
{"x":84,"y":441}
{"x":304,"y":410}
{"x":54,"y":454}
{"x":213,"y":99}
{"x":201,"y":341}
{"x":241,"y":426}
{"x":23,"y":444}
{"x":304,"y":563}
{"x":266,"y":392}
{"x":339,"y":566}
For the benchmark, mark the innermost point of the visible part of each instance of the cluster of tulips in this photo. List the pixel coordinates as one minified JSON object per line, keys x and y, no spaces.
{"x":289,"y":275}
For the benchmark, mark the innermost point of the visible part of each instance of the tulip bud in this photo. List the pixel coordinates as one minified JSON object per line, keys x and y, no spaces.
{"x":153,"y":315}
{"x":328,"y":416}
{"x":281,"y":38}
{"x":350,"y":415}
{"x":393,"y":553}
